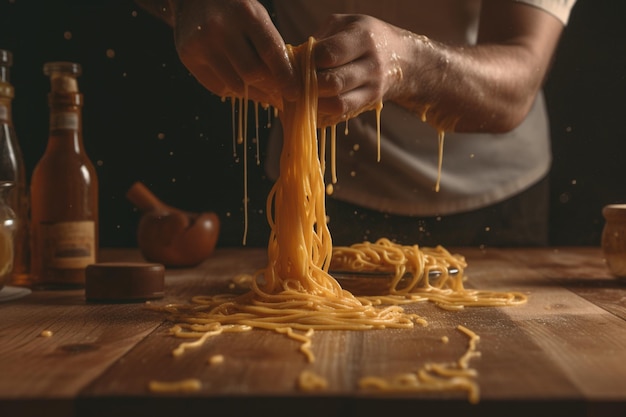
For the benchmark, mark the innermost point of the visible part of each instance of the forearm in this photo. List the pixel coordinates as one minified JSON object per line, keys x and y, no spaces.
{"x":488,"y":87}
{"x":483,"y":88}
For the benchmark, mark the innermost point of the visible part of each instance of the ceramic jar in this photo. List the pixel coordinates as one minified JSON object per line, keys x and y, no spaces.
{"x":614,"y":238}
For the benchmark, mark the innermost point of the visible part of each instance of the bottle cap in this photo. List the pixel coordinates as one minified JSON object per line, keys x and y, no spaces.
{"x":124,"y":282}
{"x":63,"y":75}
{"x":6,"y":62}
{"x":6,"y":58}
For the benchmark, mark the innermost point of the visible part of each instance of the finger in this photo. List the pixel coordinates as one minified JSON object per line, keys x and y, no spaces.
{"x":245,"y":60}
{"x":334,"y":24}
{"x":264,"y":97}
{"x":219,"y":77}
{"x":247,"y":64}
{"x":346,"y":105}
{"x":273,"y":52}
{"x":339,"y":80}
{"x":224,"y":73}
{"x":338,"y":49}
{"x":212,"y":82}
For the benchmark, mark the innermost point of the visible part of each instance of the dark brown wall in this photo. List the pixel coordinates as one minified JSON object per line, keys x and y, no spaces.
{"x":146,"y":118}
{"x":586,"y":93}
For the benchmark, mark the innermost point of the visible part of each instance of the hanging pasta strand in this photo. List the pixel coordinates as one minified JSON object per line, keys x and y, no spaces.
{"x":256,"y":132}
{"x":243,"y":139}
{"x":233,"y":125}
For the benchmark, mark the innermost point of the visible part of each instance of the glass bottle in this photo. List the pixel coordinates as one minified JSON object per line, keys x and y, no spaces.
{"x":8,"y":227}
{"x":12,"y":170}
{"x":64,"y":190}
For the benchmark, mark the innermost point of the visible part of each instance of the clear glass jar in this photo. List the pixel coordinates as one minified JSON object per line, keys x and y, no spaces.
{"x":8,"y":227}
{"x":614,"y":238}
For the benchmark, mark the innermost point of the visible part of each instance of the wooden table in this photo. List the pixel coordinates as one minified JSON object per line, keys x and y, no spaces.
{"x":561,"y":354}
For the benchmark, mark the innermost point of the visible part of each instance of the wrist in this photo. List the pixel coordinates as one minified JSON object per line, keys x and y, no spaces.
{"x":425,"y":79}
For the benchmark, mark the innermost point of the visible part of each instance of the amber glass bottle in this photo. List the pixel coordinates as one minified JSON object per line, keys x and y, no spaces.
{"x":12,"y":170}
{"x":64,"y":190}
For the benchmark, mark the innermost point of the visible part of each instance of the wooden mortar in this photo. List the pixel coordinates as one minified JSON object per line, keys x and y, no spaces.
{"x":171,"y":236}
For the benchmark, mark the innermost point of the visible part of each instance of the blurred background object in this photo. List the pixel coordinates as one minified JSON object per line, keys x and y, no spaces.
{"x":614,"y":238}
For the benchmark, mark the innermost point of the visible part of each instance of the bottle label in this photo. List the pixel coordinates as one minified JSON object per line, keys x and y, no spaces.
{"x":64,"y":121}
{"x":69,"y":245}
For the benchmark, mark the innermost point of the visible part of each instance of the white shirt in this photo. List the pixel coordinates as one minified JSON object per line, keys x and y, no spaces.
{"x":478,"y":169}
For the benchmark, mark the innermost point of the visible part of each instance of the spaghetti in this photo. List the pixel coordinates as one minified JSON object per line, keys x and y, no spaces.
{"x":296,"y":295}
{"x":310,"y":381}
{"x":418,"y":274}
{"x":457,"y":376}
{"x":185,"y":385}
{"x":295,"y":289}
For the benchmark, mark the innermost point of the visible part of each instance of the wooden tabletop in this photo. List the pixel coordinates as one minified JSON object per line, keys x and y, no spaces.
{"x":561,"y":354}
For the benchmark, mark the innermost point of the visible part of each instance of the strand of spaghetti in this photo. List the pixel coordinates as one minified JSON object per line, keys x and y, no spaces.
{"x":246,"y":219}
{"x":310,"y":381}
{"x":322,"y":145}
{"x":198,"y":342}
{"x":333,"y":154}
{"x":246,"y":102}
{"x":184,"y":385}
{"x":440,"y":136}
{"x":447,"y":371}
{"x":305,"y":339}
{"x":379,"y":108}
{"x":471,"y":350}
{"x":240,"y":134}
{"x":233,"y":123}
{"x":256,"y":132}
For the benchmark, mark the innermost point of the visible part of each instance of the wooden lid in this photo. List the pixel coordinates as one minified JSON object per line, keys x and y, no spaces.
{"x":124,"y":281}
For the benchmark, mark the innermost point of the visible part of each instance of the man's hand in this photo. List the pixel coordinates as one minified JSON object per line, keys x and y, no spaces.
{"x":230,"y":44}
{"x":487,"y":87}
{"x":358,"y":61}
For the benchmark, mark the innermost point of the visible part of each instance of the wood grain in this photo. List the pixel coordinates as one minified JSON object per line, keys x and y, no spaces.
{"x":561,"y":354}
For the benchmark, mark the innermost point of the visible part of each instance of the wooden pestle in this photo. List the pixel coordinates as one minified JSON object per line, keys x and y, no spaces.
{"x":171,"y":236}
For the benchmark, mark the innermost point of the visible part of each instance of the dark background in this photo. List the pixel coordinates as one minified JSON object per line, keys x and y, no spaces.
{"x":147,"y":119}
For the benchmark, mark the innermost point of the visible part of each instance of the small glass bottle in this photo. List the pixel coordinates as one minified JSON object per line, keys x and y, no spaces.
{"x":64,"y":190}
{"x":12,"y":170}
